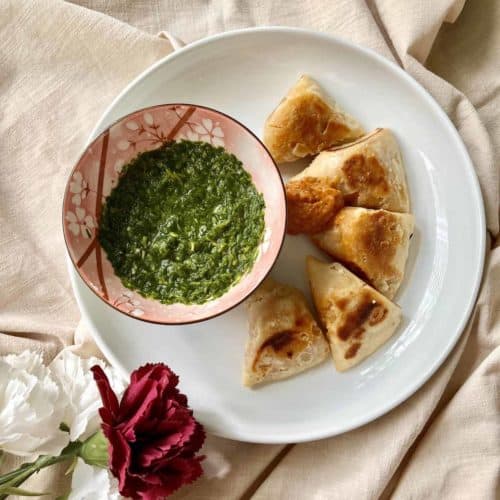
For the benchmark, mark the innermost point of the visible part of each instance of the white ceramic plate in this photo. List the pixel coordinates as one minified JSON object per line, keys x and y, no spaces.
{"x":245,"y":74}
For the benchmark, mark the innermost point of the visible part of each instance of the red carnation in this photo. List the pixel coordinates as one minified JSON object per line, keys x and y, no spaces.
{"x":152,"y":434}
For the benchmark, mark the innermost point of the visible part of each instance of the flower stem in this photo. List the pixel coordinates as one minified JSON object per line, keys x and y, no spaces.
{"x":17,"y":477}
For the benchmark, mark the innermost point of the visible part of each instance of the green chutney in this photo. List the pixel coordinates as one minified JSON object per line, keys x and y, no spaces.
{"x":183,"y":224}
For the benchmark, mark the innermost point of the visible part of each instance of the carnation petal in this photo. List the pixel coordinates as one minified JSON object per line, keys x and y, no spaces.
{"x":136,"y":404}
{"x":160,"y":448}
{"x":31,"y":407}
{"x":180,"y":471}
{"x":148,"y":387}
{"x":120,"y":457}
{"x":74,"y":375}
{"x":156,"y":371}
{"x":93,"y":483}
{"x":109,"y":399}
{"x":196,"y":441}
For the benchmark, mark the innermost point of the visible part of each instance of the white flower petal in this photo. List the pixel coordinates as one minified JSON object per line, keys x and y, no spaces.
{"x":217,"y":141}
{"x":208,"y":124}
{"x":70,"y":217}
{"x":89,"y":222}
{"x":31,"y":361}
{"x":217,"y":132}
{"x":80,"y":213}
{"x":131,"y":125}
{"x":75,"y":187}
{"x":205,"y":138}
{"x":73,"y":373}
{"x":148,"y":118}
{"x":74,"y":227}
{"x":199,"y":129}
{"x":76,"y":199}
{"x":78,"y":177}
{"x":123,"y":145}
{"x":193,"y":136}
{"x":31,"y":407}
{"x":93,"y":483}
{"x":137,"y":312}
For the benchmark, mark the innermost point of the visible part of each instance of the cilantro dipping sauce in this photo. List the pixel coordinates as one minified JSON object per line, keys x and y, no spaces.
{"x":184,"y":223}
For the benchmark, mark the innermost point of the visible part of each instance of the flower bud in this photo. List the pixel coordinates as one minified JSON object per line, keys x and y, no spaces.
{"x":94,"y":450}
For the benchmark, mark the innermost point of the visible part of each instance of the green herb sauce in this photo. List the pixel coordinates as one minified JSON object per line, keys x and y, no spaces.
{"x":184,"y":223}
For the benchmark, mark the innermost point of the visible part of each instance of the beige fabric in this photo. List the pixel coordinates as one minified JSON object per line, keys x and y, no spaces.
{"x":60,"y":65}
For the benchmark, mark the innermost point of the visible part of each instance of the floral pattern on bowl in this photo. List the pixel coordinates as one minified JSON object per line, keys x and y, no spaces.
{"x":97,"y":173}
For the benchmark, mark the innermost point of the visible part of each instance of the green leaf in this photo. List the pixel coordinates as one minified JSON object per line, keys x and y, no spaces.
{"x":12,"y":490}
{"x":63,"y":497}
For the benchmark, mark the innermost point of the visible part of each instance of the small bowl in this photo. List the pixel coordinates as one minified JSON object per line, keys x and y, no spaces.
{"x":98,"y":171}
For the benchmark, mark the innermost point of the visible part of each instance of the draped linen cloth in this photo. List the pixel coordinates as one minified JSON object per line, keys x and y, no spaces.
{"x":61,"y":64}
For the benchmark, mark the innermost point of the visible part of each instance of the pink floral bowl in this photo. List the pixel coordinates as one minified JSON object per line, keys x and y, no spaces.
{"x":98,"y":171}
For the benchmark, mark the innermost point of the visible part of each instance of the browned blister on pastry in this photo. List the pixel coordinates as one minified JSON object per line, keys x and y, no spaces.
{"x":311,"y":205}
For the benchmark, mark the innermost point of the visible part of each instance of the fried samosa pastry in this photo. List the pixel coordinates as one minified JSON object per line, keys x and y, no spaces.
{"x":372,"y":243}
{"x":284,"y":338}
{"x":306,"y":122}
{"x":357,"y":318}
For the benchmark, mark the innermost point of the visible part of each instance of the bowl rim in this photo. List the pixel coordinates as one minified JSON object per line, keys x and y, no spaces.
{"x":89,"y":144}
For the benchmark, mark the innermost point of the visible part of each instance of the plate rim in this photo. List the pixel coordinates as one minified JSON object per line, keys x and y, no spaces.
{"x":458,"y":331}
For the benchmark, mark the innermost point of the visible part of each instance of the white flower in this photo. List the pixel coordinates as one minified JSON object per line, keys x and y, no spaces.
{"x":79,"y":222}
{"x":205,"y":131}
{"x":129,"y":304}
{"x":31,"y":407}
{"x":123,"y":145}
{"x":79,"y":187}
{"x":83,"y":399}
{"x":132,"y":125}
{"x":93,"y":483}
